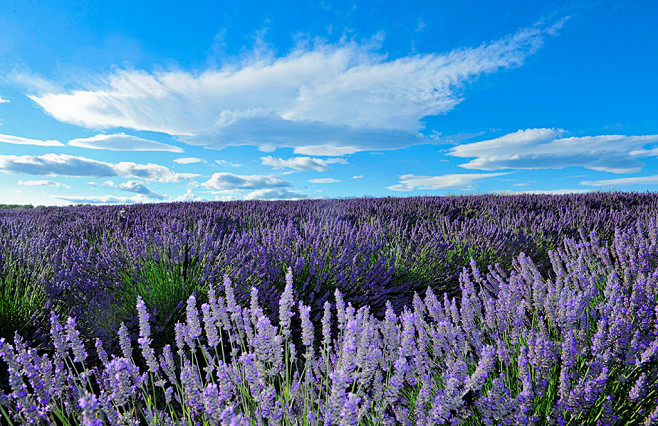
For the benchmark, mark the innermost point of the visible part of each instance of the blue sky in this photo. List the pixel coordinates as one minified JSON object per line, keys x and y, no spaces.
{"x":131,"y":102}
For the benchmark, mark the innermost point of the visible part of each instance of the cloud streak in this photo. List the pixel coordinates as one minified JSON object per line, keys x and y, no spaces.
{"x":105,"y":199}
{"x":48,"y":183}
{"x":122,"y":142}
{"x":323,"y":180}
{"x":68,"y":165}
{"x":324,"y":100}
{"x":457,"y":181}
{"x":275,"y":194}
{"x":302,"y":163}
{"x":546,"y":149}
{"x":136,"y":187}
{"x":224,"y":181}
{"x":17,"y":140}
{"x":641,"y":180}
{"x":187,"y":160}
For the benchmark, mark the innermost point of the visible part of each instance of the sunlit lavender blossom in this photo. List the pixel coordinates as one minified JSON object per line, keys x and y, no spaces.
{"x":144,"y":317}
{"x":485,"y":364}
{"x":349,"y":414}
{"x":102,"y":355}
{"x":209,"y":323}
{"x":124,"y":379}
{"x":307,"y":328}
{"x":124,"y":341}
{"x":179,"y":332}
{"x":326,"y":326}
{"x":89,"y":405}
{"x":285,"y":306}
{"x":73,"y":337}
{"x":638,"y":391}
{"x":193,"y":325}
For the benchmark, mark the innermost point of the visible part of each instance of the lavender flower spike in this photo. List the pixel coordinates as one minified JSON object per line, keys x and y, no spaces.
{"x":73,"y":336}
{"x":285,"y":304}
{"x":144,"y":326}
{"x":124,"y":341}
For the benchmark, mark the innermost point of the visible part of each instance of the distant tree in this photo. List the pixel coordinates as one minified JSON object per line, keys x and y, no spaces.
{"x":16,"y":206}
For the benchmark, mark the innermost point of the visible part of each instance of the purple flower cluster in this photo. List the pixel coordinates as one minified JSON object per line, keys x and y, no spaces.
{"x":564,"y":335}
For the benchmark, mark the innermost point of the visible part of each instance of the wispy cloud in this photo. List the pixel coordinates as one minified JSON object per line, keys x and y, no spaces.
{"x":122,"y":142}
{"x":17,"y":140}
{"x":187,"y":160}
{"x":275,"y":194}
{"x":546,"y":149}
{"x":357,"y":177}
{"x":227,"y":163}
{"x":457,"y":181}
{"x":223,"y":181}
{"x":641,"y":180}
{"x":302,"y":163}
{"x":105,"y":199}
{"x":136,"y":187}
{"x":3,"y":100}
{"x":49,"y":183}
{"x":323,"y":180}
{"x":545,"y":191}
{"x":68,"y":165}
{"x":321,"y":100}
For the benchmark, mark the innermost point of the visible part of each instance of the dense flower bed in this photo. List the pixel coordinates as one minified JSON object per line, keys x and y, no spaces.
{"x":562,"y":328}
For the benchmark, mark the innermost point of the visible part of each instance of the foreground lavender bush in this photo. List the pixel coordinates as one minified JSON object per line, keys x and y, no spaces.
{"x":577,"y":347}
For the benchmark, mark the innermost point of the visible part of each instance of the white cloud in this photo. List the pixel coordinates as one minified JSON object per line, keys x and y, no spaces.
{"x":325,"y":150}
{"x":357,"y":177}
{"x":323,"y":180}
{"x":345,"y":96}
{"x":223,"y":181}
{"x":275,"y":194}
{"x":48,"y":183}
{"x":461,"y":181}
{"x":68,"y":165}
{"x":545,"y":191}
{"x":545,"y":149}
{"x":641,"y":180}
{"x":17,"y":140}
{"x":122,"y":142}
{"x":188,"y":160}
{"x":105,"y":199}
{"x":3,"y":100}
{"x":302,"y":163}
{"x":188,"y":196}
{"x":136,"y":187}
{"x":227,"y":163}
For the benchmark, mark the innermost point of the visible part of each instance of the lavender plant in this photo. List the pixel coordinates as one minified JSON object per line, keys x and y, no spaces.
{"x":577,"y":347}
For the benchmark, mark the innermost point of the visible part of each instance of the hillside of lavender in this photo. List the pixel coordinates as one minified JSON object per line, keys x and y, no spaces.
{"x":488,"y":309}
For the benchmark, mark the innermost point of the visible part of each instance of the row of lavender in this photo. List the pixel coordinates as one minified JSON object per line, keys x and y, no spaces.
{"x":93,"y":262}
{"x":569,"y":338}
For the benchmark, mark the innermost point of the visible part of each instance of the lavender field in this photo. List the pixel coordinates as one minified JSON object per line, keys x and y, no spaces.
{"x":526,"y":309}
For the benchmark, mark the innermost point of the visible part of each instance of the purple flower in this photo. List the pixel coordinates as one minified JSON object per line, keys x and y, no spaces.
{"x":89,"y":405}
{"x":485,"y":365}
{"x":193,"y":325}
{"x":73,"y":336}
{"x":326,"y":326}
{"x":124,"y":341}
{"x":285,"y":304}
{"x":102,"y":355}
{"x":639,"y":389}
{"x":144,"y":326}
{"x":307,"y":328}
{"x":209,"y":322}
{"x":350,"y":412}
{"x":123,"y":379}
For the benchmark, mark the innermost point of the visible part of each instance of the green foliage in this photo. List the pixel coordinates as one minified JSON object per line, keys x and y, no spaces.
{"x":165,"y":287}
